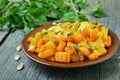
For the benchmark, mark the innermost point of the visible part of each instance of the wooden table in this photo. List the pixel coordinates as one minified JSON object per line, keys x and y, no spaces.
{"x":107,"y":70}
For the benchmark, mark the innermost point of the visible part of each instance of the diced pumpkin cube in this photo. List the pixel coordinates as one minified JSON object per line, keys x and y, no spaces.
{"x":93,"y":56}
{"x":83,"y":25}
{"x":46,"y":37}
{"x":31,"y":48}
{"x":105,"y":33}
{"x":42,"y":48}
{"x":70,"y":49}
{"x":107,"y":41}
{"x":49,"y":53}
{"x":33,"y":42}
{"x":69,"y":44}
{"x":84,"y":44}
{"x":50,"y":44}
{"x":40,"y":42}
{"x":74,"y":58}
{"x":62,"y":57}
{"x":86,"y":31}
{"x":40,"y":55}
{"x":38,"y":50}
{"x":97,"y":44}
{"x":84,"y":50}
{"x":81,"y":57}
{"x":61,"y":46}
{"x":37,"y":36}
{"x":100,"y":51}
{"x":68,"y":39}
{"x":29,"y":39}
{"x":77,"y":37}
{"x":51,"y":58}
{"x":75,"y":25}
{"x":93,"y":34}
{"x":32,"y":45}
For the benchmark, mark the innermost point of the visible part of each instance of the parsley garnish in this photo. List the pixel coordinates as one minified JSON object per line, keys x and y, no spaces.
{"x":30,"y":14}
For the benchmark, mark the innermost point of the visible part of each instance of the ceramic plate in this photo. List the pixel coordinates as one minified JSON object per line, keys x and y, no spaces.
{"x":110,"y":52}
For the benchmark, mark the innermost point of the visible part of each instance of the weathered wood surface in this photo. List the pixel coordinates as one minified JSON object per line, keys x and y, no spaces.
{"x":3,"y":35}
{"x":107,"y":70}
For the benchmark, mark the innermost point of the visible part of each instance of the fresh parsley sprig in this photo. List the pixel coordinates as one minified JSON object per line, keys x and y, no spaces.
{"x":30,"y":14}
{"x":96,"y":12}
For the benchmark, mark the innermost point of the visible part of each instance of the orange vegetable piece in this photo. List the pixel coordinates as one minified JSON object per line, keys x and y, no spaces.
{"x":40,"y":55}
{"x":62,"y":57}
{"x":69,"y":44}
{"x":84,"y":50}
{"x":104,"y":33}
{"x":93,"y":56}
{"x":107,"y":41}
{"x":37,"y":36}
{"x":61,"y":46}
{"x":100,"y":51}
{"x":51,"y":58}
{"x":31,"y":48}
{"x":75,"y":25}
{"x":32,"y":45}
{"x":50,"y":45}
{"x":68,"y":39}
{"x":40,"y":49}
{"x":48,"y":53}
{"x":74,"y":58}
{"x":97,"y":44}
{"x":29,"y":39}
{"x":81,"y":57}
{"x":77,"y":37}
{"x":86,"y":31}
{"x":93,"y":34}
{"x":70,"y":49}
{"x":33,"y":42}
{"x":40,"y":42}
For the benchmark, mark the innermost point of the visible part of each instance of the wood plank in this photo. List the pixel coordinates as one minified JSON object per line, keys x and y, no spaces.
{"x":110,"y":69}
{"x":3,"y":34}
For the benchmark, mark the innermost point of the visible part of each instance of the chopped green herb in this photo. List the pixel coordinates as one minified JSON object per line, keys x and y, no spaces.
{"x":79,"y":29}
{"x":69,"y":26}
{"x":94,"y":27}
{"x":44,"y":32}
{"x":76,"y":47}
{"x":51,"y":41}
{"x":79,"y":53}
{"x":58,"y":32}
{"x":69,"y":34}
{"x":95,"y":48}
{"x":79,"y":45}
{"x":95,"y":23}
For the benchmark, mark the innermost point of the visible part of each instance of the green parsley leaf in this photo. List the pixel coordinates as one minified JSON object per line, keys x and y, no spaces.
{"x":99,"y":14}
{"x":69,"y":34}
{"x":96,"y":12}
{"x":30,"y":14}
{"x":58,"y":32}
{"x":82,"y":4}
{"x":68,"y":16}
{"x":96,"y":7}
